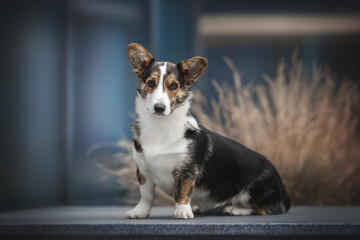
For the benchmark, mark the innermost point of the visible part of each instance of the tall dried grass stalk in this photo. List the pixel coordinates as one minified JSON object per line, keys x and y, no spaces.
{"x":306,"y":125}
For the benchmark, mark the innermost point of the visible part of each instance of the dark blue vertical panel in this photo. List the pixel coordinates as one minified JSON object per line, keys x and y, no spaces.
{"x":39,"y":112}
{"x":34,"y":70}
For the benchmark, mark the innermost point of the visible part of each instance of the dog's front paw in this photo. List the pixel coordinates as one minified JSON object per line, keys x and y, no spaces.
{"x":183,"y":211}
{"x":183,"y":214}
{"x":138,"y":212}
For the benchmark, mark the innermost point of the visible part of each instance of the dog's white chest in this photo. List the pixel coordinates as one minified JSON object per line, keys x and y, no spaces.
{"x":163,"y":151}
{"x":159,"y":167}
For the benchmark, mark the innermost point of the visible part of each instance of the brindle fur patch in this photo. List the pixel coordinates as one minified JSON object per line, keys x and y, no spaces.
{"x":136,"y":134}
{"x":183,"y":187}
{"x":184,"y":190}
{"x":135,"y":128}
{"x":140,"y":177}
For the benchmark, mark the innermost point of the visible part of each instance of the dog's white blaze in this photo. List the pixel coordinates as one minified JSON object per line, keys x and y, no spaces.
{"x":159,"y":95}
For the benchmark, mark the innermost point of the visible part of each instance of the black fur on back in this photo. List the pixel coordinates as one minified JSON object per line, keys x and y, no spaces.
{"x":227,"y":167}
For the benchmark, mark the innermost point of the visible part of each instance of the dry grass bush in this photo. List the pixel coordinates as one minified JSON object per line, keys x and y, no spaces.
{"x":306,"y":124}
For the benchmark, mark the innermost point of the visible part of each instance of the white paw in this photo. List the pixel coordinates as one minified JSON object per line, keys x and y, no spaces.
{"x":183,"y":211}
{"x":138,"y":212}
{"x":237,"y":211}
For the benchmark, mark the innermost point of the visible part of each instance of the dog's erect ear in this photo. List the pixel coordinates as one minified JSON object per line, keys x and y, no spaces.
{"x":139,"y":57}
{"x":192,"y":68}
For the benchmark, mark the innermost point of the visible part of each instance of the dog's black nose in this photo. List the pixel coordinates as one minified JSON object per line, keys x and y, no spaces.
{"x":159,"y":108}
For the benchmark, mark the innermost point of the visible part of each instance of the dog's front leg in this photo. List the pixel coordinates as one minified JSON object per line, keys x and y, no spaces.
{"x":182,"y":195}
{"x":143,"y":208}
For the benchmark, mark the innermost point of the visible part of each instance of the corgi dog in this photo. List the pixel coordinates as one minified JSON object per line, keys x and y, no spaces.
{"x":217,"y":175}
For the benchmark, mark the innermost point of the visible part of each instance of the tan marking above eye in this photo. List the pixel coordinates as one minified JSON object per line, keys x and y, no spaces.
{"x":154,"y":76}
{"x":169,"y":77}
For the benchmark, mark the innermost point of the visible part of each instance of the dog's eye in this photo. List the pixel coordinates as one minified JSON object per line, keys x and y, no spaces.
{"x":151,"y":83}
{"x":173,"y":86}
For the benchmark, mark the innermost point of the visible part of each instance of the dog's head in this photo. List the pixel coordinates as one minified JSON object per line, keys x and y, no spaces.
{"x":163,"y":85}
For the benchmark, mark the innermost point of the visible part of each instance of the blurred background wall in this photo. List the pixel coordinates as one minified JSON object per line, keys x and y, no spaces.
{"x":66,"y":82}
